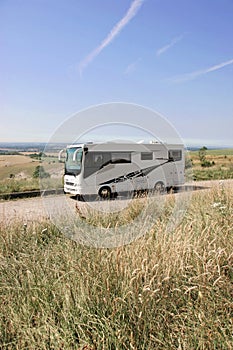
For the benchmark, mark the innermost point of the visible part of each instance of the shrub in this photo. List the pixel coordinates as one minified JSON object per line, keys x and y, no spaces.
{"x":40,"y":172}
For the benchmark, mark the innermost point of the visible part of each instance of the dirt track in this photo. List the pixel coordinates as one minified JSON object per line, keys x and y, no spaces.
{"x":34,"y":209}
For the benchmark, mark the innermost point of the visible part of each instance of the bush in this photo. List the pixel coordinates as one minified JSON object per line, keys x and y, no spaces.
{"x":37,"y":155}
{"x":206,"y":164}
{"x":40,"y":172}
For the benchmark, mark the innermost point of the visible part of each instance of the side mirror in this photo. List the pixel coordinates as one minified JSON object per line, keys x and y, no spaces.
{"x":59,"y":155}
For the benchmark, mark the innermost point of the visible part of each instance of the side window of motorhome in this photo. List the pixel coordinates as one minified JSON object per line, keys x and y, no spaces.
{"x":175,"y":155}
{"x":94,"y":161}
{"x":146,"y":155}
{"x":121,"y":157}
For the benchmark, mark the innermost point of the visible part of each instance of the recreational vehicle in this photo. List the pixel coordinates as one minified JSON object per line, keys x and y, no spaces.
{"x":110,"y":169}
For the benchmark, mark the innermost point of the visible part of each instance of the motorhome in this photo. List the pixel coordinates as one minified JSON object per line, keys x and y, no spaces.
{"x":111,"y":168}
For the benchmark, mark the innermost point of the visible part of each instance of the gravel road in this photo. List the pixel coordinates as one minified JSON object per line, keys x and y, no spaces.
{"x":34,"y":209}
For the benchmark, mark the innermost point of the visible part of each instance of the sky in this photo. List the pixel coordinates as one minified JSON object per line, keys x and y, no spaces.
{"x":61,"y":57}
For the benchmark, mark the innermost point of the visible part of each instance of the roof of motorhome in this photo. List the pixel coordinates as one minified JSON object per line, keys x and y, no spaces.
{"x":113,"y":146}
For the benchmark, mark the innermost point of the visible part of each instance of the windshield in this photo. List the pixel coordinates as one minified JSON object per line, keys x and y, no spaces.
{"x":73,"y":162}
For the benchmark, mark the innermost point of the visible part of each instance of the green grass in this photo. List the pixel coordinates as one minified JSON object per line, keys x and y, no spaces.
{"x":22,"y":185}
{"x":16,"y":173}
{"x":212,"y":174}
{"x":164,"y":291}
{"x":18,"y":185}
{"x":221,"y":162}
{"x":216,"y":152}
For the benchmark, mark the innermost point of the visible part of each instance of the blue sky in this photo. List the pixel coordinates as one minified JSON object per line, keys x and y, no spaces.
{"x":59,"y":57}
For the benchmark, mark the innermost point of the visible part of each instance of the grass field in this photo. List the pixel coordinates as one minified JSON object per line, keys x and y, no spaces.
{"x":16,"y":172}
{"x":165,"y":291}
{"x":222,"y":168}
{"x":217,"y":152}
{"x":19,"y":165}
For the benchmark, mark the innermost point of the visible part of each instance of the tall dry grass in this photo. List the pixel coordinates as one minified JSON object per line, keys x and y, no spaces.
{"x":164,"y":291}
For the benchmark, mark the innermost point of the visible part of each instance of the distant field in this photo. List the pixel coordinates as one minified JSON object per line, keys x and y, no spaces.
{"x":221,"y":165}
{"x":20,"y":166}
{"x":216,"y":152}
{"x":16,"y":171}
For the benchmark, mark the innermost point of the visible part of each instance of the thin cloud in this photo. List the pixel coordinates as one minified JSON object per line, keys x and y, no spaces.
{"x":132,"y":67}
{"x":198,"y":73}
{"x":168,"y":46}
{"x":132,"y":11}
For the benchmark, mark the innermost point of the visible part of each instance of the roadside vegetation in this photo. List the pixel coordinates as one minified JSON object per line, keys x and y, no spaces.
{"x":165,"y":291}
{"x":21,"y":172}
{"x":211,"y":164}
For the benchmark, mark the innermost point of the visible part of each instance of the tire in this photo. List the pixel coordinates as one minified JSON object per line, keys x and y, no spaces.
{"x":105,"y":192}
{"x":159,"y":188}
{"x":141,"y":193}
{"x":170,"y":189}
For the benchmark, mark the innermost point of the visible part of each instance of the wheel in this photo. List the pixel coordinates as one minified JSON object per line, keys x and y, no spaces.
{"x":105,"y":192}
{"x":159,"y":187}
{"x":170,"y":189}
{"x":80,"y":198}
{"x":141,"y":193}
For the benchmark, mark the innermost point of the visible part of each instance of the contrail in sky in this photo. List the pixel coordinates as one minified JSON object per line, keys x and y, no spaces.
{"x":132,"y":67}
{"x":194,"y":75}
{"x":168,"y":46}
{"x":132,"y":11}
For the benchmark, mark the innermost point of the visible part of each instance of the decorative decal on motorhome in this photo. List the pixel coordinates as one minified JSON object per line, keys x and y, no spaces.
{"x":134,"y":174}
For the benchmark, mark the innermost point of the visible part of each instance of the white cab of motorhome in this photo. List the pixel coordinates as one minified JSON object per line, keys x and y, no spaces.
{"x":108,"y":169}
